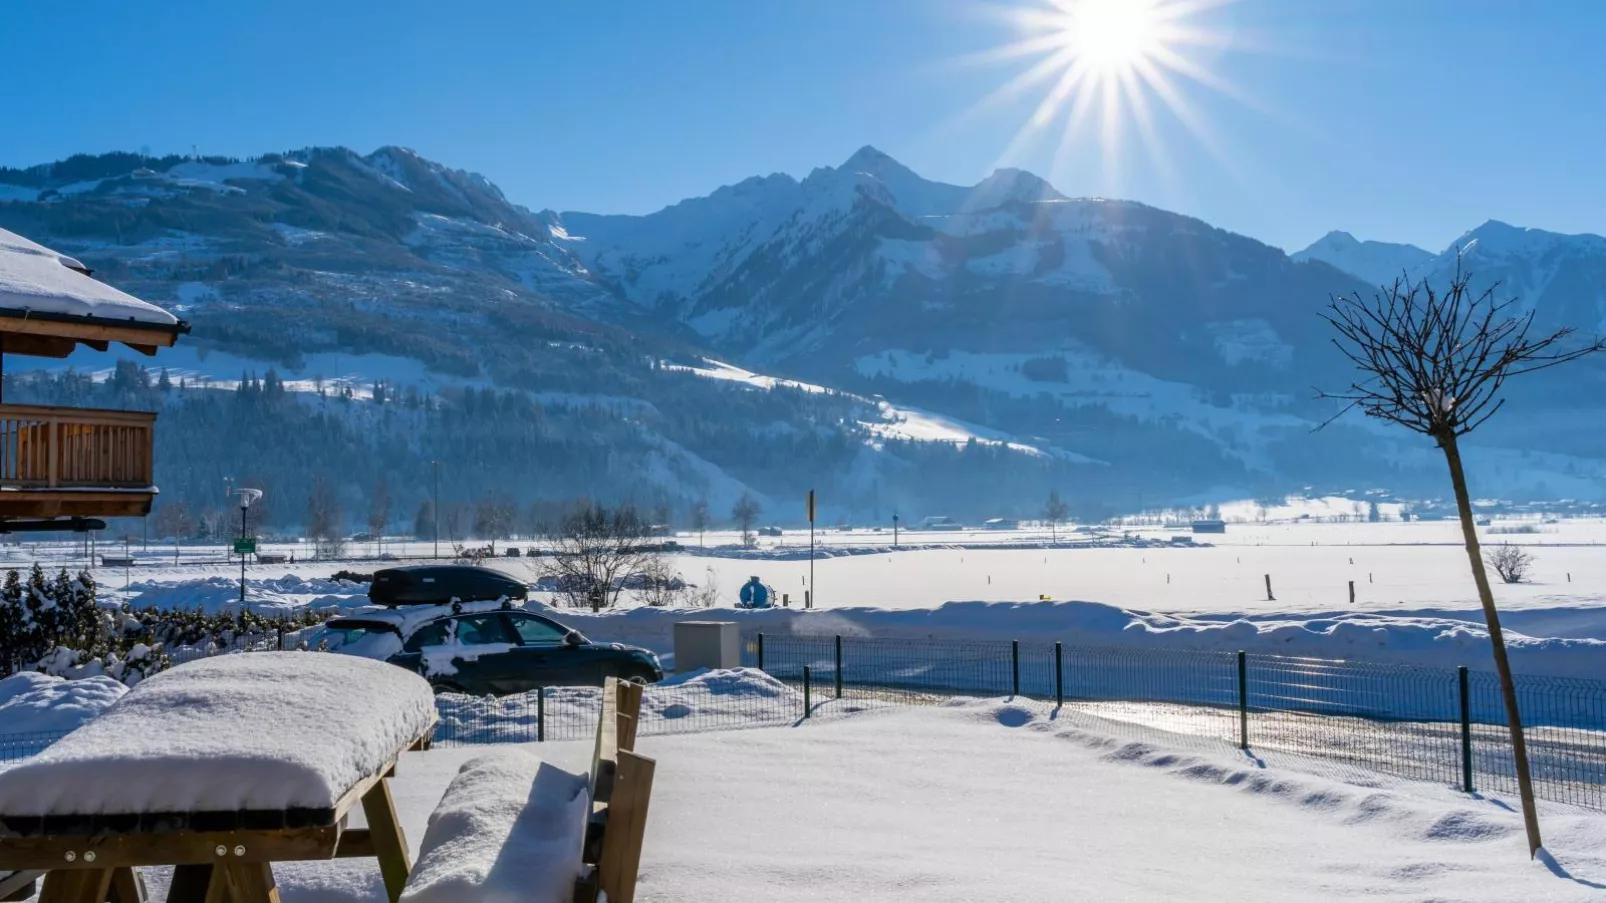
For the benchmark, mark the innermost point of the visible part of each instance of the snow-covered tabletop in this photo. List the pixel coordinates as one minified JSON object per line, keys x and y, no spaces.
{"x":268,"y":732}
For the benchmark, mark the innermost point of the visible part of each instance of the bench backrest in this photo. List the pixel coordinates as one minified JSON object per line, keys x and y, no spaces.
{"x":621,"y":785}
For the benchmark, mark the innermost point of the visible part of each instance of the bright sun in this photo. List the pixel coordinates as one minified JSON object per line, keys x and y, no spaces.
{"x":1109,"y":61}
{"x":1111,"y":35}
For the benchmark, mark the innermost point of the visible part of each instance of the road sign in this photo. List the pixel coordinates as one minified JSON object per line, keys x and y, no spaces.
{"x":811,"y":506}
{"x":245,"y":547}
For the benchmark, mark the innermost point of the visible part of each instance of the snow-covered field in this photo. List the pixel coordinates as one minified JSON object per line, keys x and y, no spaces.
{"x":998,"y":800}
{"x":1414,"y":599}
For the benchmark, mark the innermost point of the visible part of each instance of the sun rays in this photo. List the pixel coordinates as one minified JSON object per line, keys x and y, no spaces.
{"x":1110,"y":68}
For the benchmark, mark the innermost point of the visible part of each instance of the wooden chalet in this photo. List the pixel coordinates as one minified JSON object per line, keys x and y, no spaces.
{"x":62,"y":468}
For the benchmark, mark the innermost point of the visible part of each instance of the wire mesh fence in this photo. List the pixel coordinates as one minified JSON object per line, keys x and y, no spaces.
{"x":1443,"y":726}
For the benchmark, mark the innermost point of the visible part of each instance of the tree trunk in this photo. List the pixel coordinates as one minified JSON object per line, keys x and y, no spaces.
{"x":1497,"y":640}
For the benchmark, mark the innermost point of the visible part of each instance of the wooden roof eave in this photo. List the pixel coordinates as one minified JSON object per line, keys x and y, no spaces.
{"x":55,"y":335}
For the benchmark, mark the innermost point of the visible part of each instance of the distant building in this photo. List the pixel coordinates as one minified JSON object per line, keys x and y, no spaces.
{"x":1001,"y":523}
{"x":1210,"y":526}
{"x":769,"y":531}
{"x":939,"y":522}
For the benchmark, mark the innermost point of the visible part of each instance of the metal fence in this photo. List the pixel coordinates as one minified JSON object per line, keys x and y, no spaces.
{"x":1443,"y":726}
{"x":1438,"y":725}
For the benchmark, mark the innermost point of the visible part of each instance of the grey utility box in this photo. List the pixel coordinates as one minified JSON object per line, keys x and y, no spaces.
{"x":707,"y":644}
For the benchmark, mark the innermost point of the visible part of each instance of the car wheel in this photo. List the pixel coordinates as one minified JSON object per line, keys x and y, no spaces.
{"x":637,"y":677}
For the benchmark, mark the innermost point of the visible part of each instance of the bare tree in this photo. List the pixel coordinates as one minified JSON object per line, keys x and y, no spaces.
{"x":659,"y":585}
{"x":1054,"y":511}
{"x":379,"y":512}
{"x":1510,"y":562}
{"x":698,"y":518}
{"x":745,"y":512}
{"x":324,"y":520}
{"x":1435,"y":363}
{"x":593,"y":548}
{"x":173,"y":520}
{"x":493,"y":518}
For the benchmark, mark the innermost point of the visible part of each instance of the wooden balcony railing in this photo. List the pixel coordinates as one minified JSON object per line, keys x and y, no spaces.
{"x":74,"y":448}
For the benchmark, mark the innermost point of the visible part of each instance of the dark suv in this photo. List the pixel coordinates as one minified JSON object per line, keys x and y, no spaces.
{"x":490,"y":652}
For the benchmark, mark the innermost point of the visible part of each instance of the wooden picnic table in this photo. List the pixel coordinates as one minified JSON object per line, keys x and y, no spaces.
{"x":106,"y":799}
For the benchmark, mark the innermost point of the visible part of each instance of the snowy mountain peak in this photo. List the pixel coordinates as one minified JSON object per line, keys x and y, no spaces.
{"x":1376,"y":262}
{"x":1010,"y":184}
{"x":869,"y":159}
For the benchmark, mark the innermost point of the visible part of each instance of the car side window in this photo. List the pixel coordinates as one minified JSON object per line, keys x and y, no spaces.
{"x":535,"y":631}
{"x":479,"y":630}
{"x":433,"y":634}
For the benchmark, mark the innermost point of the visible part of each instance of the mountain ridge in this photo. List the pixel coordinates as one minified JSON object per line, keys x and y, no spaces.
{"x":1133,"y":350}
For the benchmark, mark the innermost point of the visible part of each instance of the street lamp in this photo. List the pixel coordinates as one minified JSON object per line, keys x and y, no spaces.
{"x":895,"y":531}
{"x":247,"y":496}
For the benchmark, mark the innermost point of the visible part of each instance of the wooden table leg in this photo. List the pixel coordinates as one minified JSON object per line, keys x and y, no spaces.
{"x":390,"y":844}
{"x":189,"y":883}
{"x":251,"y":882}
{"x":128,"y":886}
{"x":76,"y":886}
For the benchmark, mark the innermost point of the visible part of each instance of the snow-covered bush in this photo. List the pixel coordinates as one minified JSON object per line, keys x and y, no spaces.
{"x":58,"y":627}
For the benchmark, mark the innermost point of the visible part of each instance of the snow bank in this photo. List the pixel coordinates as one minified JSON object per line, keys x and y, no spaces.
{"x":266,"y":731}
{"x":509,"y":828}
{"x":1437,"y":642}
{"x":32,"y":703}
{"x":999,"y":801}
{"x":33,"y":277}
{"x":269,"y":596}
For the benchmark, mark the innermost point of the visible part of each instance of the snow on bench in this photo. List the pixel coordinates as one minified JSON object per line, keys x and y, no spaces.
{"x":225,"y":739}
{"x":510,"y":828}
{"x":514,"y":828}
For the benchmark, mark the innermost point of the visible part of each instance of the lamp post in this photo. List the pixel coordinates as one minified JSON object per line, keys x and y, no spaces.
{"x":435,"y":508}
{"x":894,"y":530}
{"x":247,"y":496}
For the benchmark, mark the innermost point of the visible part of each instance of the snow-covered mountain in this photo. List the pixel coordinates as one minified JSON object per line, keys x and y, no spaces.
{"x":868,"y":257}
{"x":876,"y":320}
{"x":1373,"y":262}
{"x":1561,"y":277}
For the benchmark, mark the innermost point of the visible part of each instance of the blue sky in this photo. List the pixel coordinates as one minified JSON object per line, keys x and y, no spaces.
{"x":1401,"y":120}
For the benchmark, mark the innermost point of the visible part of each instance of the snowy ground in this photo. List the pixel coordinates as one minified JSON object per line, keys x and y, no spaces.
{"x":1414,"y":599}
{"x":993,"y":800}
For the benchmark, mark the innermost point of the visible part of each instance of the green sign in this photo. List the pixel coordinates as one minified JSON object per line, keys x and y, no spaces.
{"x":245,"y":547}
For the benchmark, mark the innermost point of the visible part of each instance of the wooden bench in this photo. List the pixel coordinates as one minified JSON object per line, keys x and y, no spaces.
{"x":621,"y":786}
{"x":523,"y":808}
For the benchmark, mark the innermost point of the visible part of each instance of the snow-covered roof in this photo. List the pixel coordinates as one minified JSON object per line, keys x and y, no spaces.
{"x":35,"y":278}
{"x":264,"y":731}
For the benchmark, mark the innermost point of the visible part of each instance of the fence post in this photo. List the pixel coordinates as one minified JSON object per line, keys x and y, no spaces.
{"x":1014,"y":667}
{"x":540,"y":714}
{"x":761,"y":651}
{"x":1059,"y":674}
{"x":1243,"y":701}
{"x":839,"y":666}
{"x":1466,"y":731}
{"x":806,"y":704}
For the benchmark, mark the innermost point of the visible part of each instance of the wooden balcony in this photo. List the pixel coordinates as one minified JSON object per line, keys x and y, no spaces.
{"x":75,"y":462}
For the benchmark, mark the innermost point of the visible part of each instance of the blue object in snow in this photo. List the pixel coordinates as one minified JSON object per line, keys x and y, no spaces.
{"x":755,"y":594}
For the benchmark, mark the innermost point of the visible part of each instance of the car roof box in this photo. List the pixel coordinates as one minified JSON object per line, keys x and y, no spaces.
{"x":433,"y":584}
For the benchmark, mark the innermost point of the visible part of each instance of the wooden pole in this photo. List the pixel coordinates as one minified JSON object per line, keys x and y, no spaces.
{"x":1269,"y":596}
